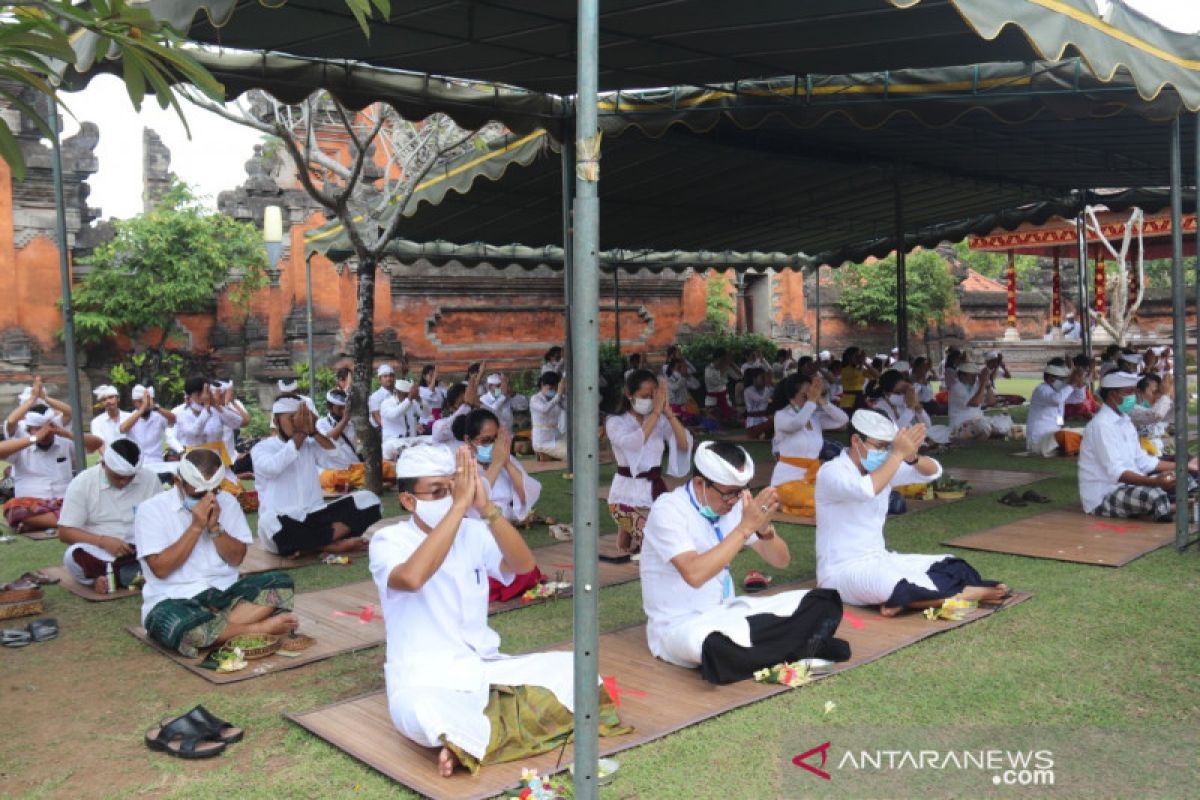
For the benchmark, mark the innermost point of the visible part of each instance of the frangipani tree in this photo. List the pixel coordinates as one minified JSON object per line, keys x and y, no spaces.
{"x":1121,"y":309}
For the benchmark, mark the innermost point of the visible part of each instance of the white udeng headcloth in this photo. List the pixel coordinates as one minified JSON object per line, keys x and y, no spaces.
{"x":117,"y":463}
{"x":286,"y":386}
{"x":104,"y":391}
{"x":335,"y":397}
{"x":140,"y":391}
{"x":192,"y":476}
{"x":718,"y":470}
{"x":286,"y":405}
{"x":35,"y":419}
{"x":425,"y":461}
{"x":873,"y":424}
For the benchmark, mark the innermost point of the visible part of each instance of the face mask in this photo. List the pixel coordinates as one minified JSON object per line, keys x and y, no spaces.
{"x":897,"y":399}
{"x":1144,"y":403}
{"x":497,"y":392}
{"x":483,"y":453}
{"x":874,"y":459}
{"x":551,"y":394}
{"x":706,"y":510}
{"x":643,"y":405}
{"x":196,"y":406}
{"x":1127,"y":404}
{"x":190,"y":502}
{"x":432,"y":512}
{"x":1058,"y":385}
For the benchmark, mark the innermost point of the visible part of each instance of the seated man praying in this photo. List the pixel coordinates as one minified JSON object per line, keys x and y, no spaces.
{"x":692,"y":535}
{"x":293,"y":517}
{"x":337,"y":428}
{"x":191,"y":540}
{"x":852,"y":502}
{"x":1117,"y":478}
{"x":448,"y":684}
{"x":97,"y":517}
{"x":42,"y":458}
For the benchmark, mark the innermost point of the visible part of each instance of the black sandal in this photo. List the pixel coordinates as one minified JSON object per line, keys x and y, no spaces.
{"x":43,"y":630}
{"x":1033,"y":497}
{"x":182,"y":738}
{"x":218,"y":729}
{"x":15,"y":637}
{"x":1013,"y":499}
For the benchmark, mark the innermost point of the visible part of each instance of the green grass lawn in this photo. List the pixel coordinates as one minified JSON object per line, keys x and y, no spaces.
{"x":1099,"y":667}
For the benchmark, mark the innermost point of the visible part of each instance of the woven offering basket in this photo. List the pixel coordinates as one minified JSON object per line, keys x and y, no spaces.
{"x":21,"y":608}
{"x":297,"y":643}
{"x":252,"y":653}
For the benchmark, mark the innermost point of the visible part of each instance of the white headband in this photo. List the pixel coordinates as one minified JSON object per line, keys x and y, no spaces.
{"x":1119,"y":380}
{"x":191,"y":475}
{"x":286,"y":405}
{"x":335,"y":397}
{"x":117,"y":463}
{"x":288,"y":385}
{"x":494,"y":379}
{"x":873,"y":424}
{"x":104,"y":391}
{"x":36,"y":420}
{"x":140,"y":391}
{"x":718,"y":470}
{"x":1057,"y":370}
{"x":403,"y":386}
{"x":385,"y":369}
{"x":425,"y":461}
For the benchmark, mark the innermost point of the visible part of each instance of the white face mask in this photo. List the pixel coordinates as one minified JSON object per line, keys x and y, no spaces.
{"x":897,"y":399}
{"x":643,"y":405}
{"x":432,"y":512}
{"x":1058,"y":384}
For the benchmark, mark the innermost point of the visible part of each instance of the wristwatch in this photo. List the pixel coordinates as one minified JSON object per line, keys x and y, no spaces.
{"x":492,"y":514}
{"x":914,"y":461}
{"x":33,"y":440}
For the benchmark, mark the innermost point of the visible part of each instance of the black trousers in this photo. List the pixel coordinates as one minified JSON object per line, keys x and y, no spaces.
{"x":316,"y":530}
{"x":807,"y":633}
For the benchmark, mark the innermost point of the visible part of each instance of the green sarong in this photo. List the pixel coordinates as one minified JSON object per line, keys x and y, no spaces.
{"x":189,"y":625}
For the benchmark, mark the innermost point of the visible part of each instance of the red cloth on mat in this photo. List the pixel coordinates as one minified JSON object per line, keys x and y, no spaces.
{"x":499,"y":593}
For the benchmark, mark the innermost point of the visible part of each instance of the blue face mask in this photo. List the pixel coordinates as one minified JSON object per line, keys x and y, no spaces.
{"x":874,"y":459}
{"x":190,"y":502}
{"x":483,"y":453}
{"x":1127,"y":404}
{"x":551,"y":395}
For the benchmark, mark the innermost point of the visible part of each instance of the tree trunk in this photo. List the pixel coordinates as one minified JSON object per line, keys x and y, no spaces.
{"x":362,"y":348}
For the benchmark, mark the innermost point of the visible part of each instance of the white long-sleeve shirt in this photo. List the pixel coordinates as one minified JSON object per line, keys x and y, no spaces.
{"x":107,"y":428}
{"x":195,"y":426}
{"x":501,"y":406}
{"x":288,"y":482}
{"x":756,"y":405}
{"x":398,"y":415}
{"x":147,"y":434}
{"x":799,"y":434}
{"x":345,"y":444}
{"x":1046,"y":411}
{"x":1151,"y":421}
{"x":1109,"y":448}
{"x":898,"y":412}
{"x":546,"y":414}
{"x":432,"y":397}
{"x":960,"y":409}
{"x":639,"y":453}
{"x":679,"y":388}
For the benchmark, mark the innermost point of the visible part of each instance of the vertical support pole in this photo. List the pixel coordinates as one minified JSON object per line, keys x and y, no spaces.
{"x":308,"y":332}
{"x":585,"y":397}
{"x":568,"y":208}
{"x":1101,"y":284}
{"x":741,"y":324}
{"x":1011,"y":334}
{"x":1085,"y":316}
{"x":817,"y":297}
{"x":1181,"y":358}
{"x":617,"y":305}
{"x":1179,"y":318}
{"x":901,"y":275}
{"x":64,"y":274}
{"x":1056,"y":297}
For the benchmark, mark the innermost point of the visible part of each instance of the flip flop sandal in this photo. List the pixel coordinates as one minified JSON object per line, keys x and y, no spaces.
{"x":755,"y":581}
{"x":218,"y":729}
{"x":1013,"y":499}
{"x":181,"y":738}
{"x":18,"y":586}
{"x":1033,"y":497}
{"x":43,"y":630}
{"x":15,"y":637}
{"x":39,"y":577}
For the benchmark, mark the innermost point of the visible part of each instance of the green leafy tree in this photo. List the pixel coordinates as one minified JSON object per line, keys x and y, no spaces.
{"x":172,"y":260}
{"x":718,"y":305}
{"x":995,"y":265}
{"x":868,"y":291}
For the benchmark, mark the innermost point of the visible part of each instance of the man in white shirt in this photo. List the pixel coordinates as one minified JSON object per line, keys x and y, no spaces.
{"x":233,"y":414}
{"x":852,"y":501}
{"x":337,"y":427}
{"x":1117,"y":478}
{"x":198,"y":421}
{"x":448,"y":684}
{"x":1071,"y":329}
{"x":108,"y":424}
{"x":694,"y":618}
{"x":191,"y":539}
{"x":97,"y":517}
{"x":399,"y":416}
{"x":292,"y":516}
{"x":146,"y":427}
{"x":1047,"y":405}
{"x":497,"y":398}
{"x":387,"y":386}
{"x":969,"y":396}
{"x":43,"y":461}
{"x":547,"y":410}
{"x":30,"y":396}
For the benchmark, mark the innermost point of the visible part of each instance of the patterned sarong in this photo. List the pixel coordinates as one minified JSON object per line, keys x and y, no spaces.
{"x":189,"y":625}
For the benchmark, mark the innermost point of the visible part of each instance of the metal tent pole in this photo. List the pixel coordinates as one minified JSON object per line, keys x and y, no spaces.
{"x":901,"y":277}
{"x":585,"y":333}
{"x":1179,"y":318}
{"x":568,"y":202}
{"x":312,"y":362}
{"x":817,"y":297}
{"x":1196,"y":278}
{"x":68,"y":310}
{"x":1085,"y":316}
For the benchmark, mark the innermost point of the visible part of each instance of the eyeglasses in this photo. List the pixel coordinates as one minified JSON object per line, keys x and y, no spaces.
{"x":729,"y":496}
{"x":436,"y":493}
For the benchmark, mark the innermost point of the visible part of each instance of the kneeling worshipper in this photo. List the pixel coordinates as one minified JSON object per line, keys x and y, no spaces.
{"x":757,"y":397}
{"x":1047,"y":406}
{"x":497,"y":398}
{"x":899,"y":402}
{"x":108,"y":424}
{"x":694,"y":618}
{"x":43,"y":461}
{"x":97,"y":517}
{"x":337,"y":428}
{"x":1153,"y":412}
{"x":970,"y":394}
{"x":1117,"y":478}
{"x":191,"y":540}
{"x":292,"y":515}
{"x":511,"y":488}
{"x":802,"y":415}
{"x":548,"y":413}
{"x":146,"y":427}
{"x":399,"y":414}
{"x":448,"y":684}
{"x":852,"y":504}
{"x":639,"y":436}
